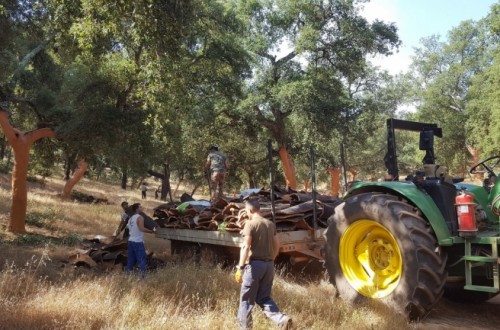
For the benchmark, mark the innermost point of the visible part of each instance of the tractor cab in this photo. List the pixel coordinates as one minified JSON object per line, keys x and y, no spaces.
{"x":433,"y":179}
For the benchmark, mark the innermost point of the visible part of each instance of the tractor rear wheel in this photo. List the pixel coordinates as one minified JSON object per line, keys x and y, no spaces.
{"x":379,"y":248}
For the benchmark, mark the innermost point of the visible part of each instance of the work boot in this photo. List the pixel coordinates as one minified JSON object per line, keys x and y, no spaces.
{"x":286,"y":324}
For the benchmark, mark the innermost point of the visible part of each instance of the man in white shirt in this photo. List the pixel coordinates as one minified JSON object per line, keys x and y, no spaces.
{"x":136,"y":249}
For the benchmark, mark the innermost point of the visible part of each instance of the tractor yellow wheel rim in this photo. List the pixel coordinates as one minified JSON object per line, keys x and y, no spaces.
{"x":370,"y":259}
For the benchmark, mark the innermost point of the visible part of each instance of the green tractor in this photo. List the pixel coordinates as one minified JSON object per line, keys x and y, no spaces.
{"x":406,"y":243}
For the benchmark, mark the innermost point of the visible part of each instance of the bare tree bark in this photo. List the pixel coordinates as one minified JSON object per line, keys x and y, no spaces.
{"x":335,"y":176}
{"x":77,"y":176}
{"x":289,"y":168}
{"x":476,"y":156}
{"x":306,"y":185}
{"x":21,"y":143}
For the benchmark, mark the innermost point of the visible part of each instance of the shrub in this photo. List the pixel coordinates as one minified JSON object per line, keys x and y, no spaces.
{"x":40,"y":219}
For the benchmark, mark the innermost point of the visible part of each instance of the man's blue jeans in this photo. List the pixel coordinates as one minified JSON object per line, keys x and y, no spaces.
{"x":256,"y":288}
{"x":136,"y":254}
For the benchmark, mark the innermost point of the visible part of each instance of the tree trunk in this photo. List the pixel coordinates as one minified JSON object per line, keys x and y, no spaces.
{"x":354,"y":173}
{"x":165,"y":186}
{"x":21,"y":143}
{"x":335,"y":176}
{"x":124,"y":180}
{"x":67,"y":170}
{"x":476,"y":154}
{"x":19,"y":189}
{"x":196,"y":186}
{"x":289,"y":168}
{"x":68,"y":187}
{"x":177,"y":186}
{"x":251,"y":179}
{"x":69,"y":166}
{"x":306,"y":185}
{"x":3,"y":145}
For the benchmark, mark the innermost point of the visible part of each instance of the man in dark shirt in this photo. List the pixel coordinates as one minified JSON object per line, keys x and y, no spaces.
{"x":260,"y":248}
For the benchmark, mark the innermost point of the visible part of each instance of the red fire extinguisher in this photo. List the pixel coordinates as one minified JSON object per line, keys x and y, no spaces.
{"x":466,"y":214}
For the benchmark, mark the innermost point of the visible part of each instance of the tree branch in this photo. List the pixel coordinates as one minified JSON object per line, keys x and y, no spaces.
{"x":268,"y":56}
{"x":8,"y":130}
{"x":18,"y":100}
{"x":287,"y":58}
{"x":156,"y":174}
{"x":40,"y":133}
{"x":28,"y":57}
{"x":263,"y":120}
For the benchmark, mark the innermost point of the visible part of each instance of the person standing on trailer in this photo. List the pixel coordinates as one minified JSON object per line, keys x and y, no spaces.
{"x":216,"y":167}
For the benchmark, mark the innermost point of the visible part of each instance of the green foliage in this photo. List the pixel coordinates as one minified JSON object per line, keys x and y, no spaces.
{"x":484,"y":106}
{"x":38,"y":240}
{"x":304,"y":105}
{"x":35,"y":179}
{"x":32,"y":240}
{"x":132,"y":86}
{"x":72,"y":239}
{"x":442,"y":75}
{"x":42,"y":218}
{"x":4,"y":166}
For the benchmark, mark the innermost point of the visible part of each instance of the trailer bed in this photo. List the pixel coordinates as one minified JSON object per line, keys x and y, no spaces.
{"x":307,"y":243}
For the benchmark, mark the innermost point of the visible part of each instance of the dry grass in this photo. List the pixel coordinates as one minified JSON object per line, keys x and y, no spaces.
{"x":39,"y":291}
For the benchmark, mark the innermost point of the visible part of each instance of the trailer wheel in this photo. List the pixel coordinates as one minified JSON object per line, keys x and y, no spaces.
{"x":379,"y":249}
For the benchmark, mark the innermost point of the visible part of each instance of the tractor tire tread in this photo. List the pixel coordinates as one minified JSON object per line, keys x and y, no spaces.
{"x":429,"y":271}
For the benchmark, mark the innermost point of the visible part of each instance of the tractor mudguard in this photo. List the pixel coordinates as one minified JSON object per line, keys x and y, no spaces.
{"x":415,"y":196}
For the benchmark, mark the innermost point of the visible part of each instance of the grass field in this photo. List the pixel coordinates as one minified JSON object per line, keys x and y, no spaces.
{"x":39,"y":290}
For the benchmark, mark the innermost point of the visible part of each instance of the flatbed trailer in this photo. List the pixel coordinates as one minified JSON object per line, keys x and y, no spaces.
{"x":299,"y":245}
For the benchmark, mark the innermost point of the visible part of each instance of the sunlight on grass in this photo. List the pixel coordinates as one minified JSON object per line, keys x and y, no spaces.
{"x":177,"y":297}
{"x":39,"y":290}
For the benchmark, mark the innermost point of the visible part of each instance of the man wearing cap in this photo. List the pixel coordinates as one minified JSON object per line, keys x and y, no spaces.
{"x":255,"y":270}
{"x":216,"y":166}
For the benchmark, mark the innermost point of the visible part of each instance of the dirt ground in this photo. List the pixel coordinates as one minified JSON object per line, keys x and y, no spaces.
{"x":446,"y":315}
{"x":451,"y":315}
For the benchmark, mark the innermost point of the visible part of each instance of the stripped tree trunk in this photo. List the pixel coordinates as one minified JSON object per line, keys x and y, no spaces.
{"x":306,"y":185}
{"x":354,"y":173}
{"x":476,"y":154}
{"x":77,"y":176}
{"x":289,"y":168}
{"x":335,"y":176}
{"x":21,"y":143}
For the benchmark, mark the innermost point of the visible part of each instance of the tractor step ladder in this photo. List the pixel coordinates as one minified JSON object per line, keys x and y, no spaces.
{"x":471,"y":259}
